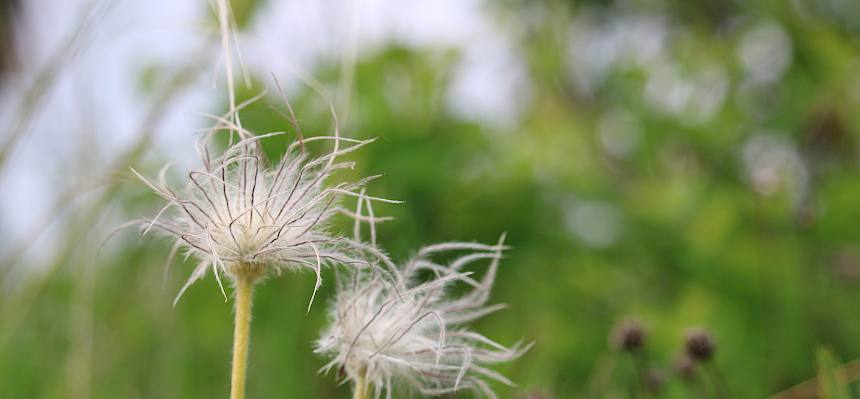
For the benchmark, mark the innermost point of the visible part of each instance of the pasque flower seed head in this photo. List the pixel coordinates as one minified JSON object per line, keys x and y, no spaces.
{"x":389,"y":325}
{"x":242,"y":215}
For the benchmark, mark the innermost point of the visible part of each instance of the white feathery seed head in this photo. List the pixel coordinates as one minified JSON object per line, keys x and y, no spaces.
{"x":403,"y":325}
{"x":242,"y":215}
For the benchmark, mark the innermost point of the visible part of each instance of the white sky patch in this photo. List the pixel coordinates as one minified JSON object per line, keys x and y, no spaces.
{"x":99,"y":95}
{"x":600,"y":43}
{"x":490,"y":84}
{"x":95,"y":107}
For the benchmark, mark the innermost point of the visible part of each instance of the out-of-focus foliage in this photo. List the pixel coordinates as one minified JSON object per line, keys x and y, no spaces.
{"x":689,"y":163}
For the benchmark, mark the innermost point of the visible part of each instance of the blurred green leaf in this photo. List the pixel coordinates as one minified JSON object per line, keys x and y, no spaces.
{"x":831,"y":379}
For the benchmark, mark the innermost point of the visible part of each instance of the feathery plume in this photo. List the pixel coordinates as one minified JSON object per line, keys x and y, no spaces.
{"x":389,"y":325}
{"x":242,"y":215}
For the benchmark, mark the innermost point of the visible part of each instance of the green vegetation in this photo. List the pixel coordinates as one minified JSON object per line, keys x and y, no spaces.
{"x":741,"y":218}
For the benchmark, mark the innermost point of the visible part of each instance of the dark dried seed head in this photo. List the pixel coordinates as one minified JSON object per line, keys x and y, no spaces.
{"x":629,"y":336}
{"x":700,"y":344}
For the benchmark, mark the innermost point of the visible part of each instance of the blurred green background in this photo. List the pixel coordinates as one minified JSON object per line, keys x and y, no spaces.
{"x":710,"y":179}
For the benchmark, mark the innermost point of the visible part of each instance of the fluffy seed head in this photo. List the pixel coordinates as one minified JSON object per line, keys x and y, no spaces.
{"x":242,"y":215}
{"x":395,"y":327}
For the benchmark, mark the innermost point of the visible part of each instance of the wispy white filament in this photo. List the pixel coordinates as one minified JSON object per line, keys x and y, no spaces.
{"x":241,"y":214}
{"x":397,"y":327}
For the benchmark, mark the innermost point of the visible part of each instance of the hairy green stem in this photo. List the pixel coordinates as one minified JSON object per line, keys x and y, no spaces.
{"x":241,"y":335}
{"x":360,"y":389}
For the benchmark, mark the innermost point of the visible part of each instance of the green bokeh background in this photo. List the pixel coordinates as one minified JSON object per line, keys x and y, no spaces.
{"x":774,"y":277}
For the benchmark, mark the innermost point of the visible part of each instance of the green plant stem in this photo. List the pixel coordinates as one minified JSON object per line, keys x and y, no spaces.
{"x":639,"y":366}
{"x":722,"y":390}
{"x":241,"y":335}
{"x":360,"y":389}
